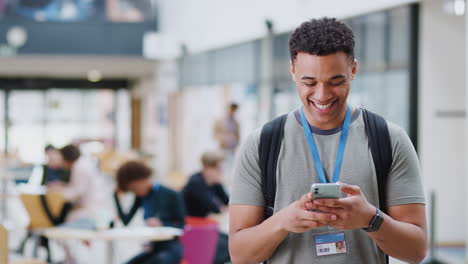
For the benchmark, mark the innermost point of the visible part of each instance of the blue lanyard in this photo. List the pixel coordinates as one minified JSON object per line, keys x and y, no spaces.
{"x":341,"y":147}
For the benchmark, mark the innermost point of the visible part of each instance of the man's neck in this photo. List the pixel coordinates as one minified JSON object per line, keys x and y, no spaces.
{"x":205,"y":177}
{"x":329,"y":126}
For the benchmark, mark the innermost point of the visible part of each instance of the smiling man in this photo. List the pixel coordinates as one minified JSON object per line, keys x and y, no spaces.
{"x":325,"y":141}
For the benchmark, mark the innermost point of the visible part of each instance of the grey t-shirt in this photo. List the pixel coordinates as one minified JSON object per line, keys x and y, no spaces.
{"x":296,"y":172}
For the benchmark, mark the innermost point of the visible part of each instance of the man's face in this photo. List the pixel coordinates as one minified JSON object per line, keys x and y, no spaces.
{"x":140,"y":187}
{"x":323,"y":84}
{"x":213,"y":174}
{"x":54,"y":159}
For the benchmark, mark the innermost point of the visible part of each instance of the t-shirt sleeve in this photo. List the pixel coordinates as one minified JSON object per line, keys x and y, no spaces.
{"x":246,"y":182}
{"x":404,"y":183}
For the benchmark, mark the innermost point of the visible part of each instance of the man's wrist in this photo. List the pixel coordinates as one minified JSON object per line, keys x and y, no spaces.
{"x":278,"y":221}
{"x":376,"y":222}
{"x":369,"y":216}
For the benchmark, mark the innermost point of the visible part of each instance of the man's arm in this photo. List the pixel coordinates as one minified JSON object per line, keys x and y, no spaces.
{"x":254,"y":241}
{"x":402,"y":234}
{"x":221,"y":193}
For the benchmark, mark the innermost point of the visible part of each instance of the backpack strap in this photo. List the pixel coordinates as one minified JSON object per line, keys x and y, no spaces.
{"x":268,"y":149}
{"x":381,"y":149}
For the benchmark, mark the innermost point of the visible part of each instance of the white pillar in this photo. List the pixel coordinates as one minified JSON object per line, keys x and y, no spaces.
{"x":266,"y":85}
{"x":466,"y":124}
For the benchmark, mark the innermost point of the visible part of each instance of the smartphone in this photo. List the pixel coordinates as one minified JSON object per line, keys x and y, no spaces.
{"x":325,"y":190}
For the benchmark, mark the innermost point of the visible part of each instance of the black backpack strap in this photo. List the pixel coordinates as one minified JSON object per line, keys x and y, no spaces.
{"x":381,"y":149}
{"x":268,"y":150}
{"x":126,"y":218}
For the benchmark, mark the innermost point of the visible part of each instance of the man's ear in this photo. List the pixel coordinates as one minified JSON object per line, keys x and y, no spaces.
{"x":291,"y":70}
{"x":354,"y":69}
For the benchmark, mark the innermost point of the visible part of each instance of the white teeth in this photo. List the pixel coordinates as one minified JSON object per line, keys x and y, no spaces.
{"x":319,"y":106}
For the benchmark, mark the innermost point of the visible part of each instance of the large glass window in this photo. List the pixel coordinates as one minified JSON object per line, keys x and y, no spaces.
{"x":63,"y":116}
{"x":26,"y":126}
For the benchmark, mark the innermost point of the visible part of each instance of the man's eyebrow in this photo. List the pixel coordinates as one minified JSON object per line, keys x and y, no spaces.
{"x":339,"y":76}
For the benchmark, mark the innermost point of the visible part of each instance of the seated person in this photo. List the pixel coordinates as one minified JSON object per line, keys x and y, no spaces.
{"x":162,"y":207}
{"x":53,"y":170}
{"x":82,"y":190}
{"x":204,"y":194}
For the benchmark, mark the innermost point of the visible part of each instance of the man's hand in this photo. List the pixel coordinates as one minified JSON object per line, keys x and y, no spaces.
{"x":153,"y":222}
{"x":353,"y":212}
{"x":297,"y":218}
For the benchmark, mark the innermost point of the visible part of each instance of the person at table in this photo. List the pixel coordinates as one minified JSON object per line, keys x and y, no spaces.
{"x":162,"y":207}
{"x":204,"y":194}
{"x":52,"y":170}
{"x":84,"y":198}
{"x":82,"y":190}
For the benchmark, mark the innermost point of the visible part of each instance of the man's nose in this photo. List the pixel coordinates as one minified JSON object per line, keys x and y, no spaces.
{"x":322,"y":93}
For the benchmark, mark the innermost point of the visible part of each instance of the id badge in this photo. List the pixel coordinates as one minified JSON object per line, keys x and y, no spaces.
{"x":329,"y":244}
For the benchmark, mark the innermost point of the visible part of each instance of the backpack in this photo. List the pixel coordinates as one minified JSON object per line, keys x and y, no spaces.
{"x":271,"y":138}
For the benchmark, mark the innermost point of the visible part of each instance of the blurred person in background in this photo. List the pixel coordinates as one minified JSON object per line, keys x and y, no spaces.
{"x":54,"y":10}
{"x":130,"y":10}
{"x":162,"y":207}
{"x":84,"y":195}
{"x":52,"y":170}
{"x":227,"y":133}
{"x":204,"y":194}
{"x":82,"y":190}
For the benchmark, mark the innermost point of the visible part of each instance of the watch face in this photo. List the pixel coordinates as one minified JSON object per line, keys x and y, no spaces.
{"x":375,"y":223}
{"x":378,"y":221}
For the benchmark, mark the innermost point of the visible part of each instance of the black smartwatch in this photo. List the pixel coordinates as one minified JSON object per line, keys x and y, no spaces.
{"x":376,"y":222}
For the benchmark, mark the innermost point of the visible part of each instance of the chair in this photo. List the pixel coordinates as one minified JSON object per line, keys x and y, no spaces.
{"x":44,"y":212}
{"x":4,"y":251}
{"x":37,"y":213}
{"x":200,"y":240}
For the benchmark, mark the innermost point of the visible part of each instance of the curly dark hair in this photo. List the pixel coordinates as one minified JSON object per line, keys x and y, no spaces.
{"x":132,"y":171}
{"x":70,"y":153}
{"x":322,"y":37}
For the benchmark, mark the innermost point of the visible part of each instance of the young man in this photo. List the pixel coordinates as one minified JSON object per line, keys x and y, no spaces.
{"x":323,"y":67}
{"x":162,"y":207}
{"x":204,"y":194}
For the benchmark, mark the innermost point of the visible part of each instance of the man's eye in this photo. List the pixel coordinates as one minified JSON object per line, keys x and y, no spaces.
{"x":309,"y":84}
{"x":337,"y":83}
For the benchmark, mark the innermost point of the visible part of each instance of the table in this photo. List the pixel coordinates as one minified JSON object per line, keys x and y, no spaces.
{"x":115,"y":234}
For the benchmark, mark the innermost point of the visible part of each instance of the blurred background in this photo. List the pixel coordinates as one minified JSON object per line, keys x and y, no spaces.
{"x":149,"y":79}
